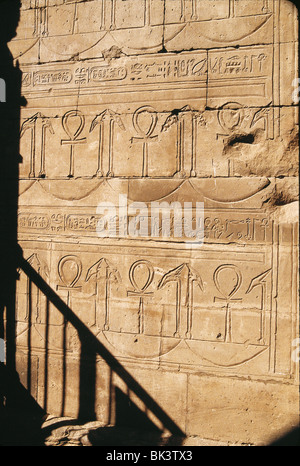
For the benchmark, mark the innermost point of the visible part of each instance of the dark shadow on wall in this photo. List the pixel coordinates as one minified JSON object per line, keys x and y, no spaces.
{"x":127,"y":423}
{"x":290,"y":439}
{"x":13,"y":396}
{"x":10,"y":158}
{"x":126,"y":414}
{"x":11,"y":391}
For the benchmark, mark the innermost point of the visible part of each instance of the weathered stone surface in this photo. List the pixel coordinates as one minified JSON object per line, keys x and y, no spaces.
{"x":170,"y":101}
{"x":267,"y":418}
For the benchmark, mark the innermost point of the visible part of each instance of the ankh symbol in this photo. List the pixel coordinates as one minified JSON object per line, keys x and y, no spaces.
{"x":145,"y":130}
{"x":140,"y":289}
{"x":73,"y":134}
{"x":228,"y":294}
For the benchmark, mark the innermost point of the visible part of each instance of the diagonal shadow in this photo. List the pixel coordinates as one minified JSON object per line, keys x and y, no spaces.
{"x":93,"y":346}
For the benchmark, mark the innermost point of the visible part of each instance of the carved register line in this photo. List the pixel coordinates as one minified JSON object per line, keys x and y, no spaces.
{"x":171,"y":178}
{"x":113,"y":97}
{"x":188,"y":12}
{"x":222,"y":90}
{"x":216,"y":229}
{"x":207,"y":252}
{"x":111,"y":86}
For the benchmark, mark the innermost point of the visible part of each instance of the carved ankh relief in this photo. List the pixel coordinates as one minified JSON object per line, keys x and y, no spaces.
{"x":73,"y":123}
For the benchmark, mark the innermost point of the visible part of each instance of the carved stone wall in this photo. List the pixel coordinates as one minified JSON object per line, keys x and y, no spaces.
{"x":166,"y":101}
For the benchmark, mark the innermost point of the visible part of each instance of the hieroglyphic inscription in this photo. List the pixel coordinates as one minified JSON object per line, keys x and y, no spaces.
{"x":219,"y":226}
{"x":188,"y":67}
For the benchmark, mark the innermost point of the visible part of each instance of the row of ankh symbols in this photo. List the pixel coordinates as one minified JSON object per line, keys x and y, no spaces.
{"x":227,"y":279}
{"x":145,"y":124}
{"x":231,"y":117}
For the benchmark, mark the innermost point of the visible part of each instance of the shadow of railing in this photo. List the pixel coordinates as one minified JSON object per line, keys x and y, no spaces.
{"x":150,"y":418}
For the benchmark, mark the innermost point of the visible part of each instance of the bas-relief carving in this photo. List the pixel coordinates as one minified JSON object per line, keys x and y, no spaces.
{"x":37,"y":142}
{"x":176,"y":115}
{"x":178,"y":134}
{"x":95,"y":24}
{"x":146,"y":308}
{"x":215,"y":96}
